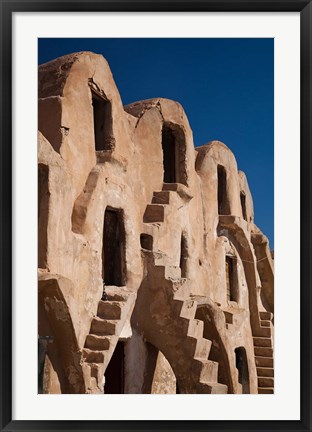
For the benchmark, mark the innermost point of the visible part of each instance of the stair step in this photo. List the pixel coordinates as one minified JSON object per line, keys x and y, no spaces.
{"x":195,"y":328}
{"x":265,"y":323}
{"x":202,"y":348}
{"x":157,"y":258}
{"x":263,"y":352}
{"x":101,"y":326}
{"x":110,"y":309}
{"x":205,"y":370}
{"x":265,"y":372}
{"x":97,"y":343}
{"x":170,"y":187}
{"x":154,"y":213}
{"x":97,"y":372}
{"x":162,"y":197}
{"x":185,"y":308}
{"x":181,"y":291}
{"x":264,"y":362}
{"x":160,"y":258}
{"x":168,"y":272}
{"x":265,"y":382}
{"x":262,"y":342}
{"x":92,"y":356}
{"x":267,"y":316}
{"x":265,"y":390}
{"x":264,"y":332}
{"x":198,"y":348}
{"x":117,"y":293}
{"x":173,"y":272}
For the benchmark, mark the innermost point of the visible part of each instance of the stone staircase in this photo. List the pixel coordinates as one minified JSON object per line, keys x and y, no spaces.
{"x":173,"y":311}
{"x":156,"y":211}
{"x":263,"y":347}
{"x":104,"y":334}
{"x":203,"y":371}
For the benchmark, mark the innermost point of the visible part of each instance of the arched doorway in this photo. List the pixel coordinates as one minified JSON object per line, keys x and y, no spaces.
{"x":242,"y":367}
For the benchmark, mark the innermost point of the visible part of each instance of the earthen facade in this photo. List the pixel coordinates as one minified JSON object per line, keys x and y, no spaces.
{"x":153,"y":277}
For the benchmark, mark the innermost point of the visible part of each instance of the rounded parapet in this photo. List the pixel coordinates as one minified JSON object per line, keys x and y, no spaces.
{"x":217,"y":168}
{"x":81,"y":113}
{"x":171,"y":134}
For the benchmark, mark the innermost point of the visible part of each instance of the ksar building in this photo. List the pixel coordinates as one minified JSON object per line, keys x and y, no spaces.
{"x":153,"y":277}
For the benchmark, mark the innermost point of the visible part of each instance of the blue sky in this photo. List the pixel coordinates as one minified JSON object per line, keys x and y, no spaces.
{"x":226,"y":87}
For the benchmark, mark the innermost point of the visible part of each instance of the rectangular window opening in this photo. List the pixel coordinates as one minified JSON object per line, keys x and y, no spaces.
{"x":113,"y":253}
{"x":102,"y":119}
{"x":243,"y":204}
{"x":223,"y":203}
{"x":231,"y":278}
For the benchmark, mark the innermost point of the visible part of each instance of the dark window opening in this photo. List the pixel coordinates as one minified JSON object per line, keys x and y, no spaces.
{"x":43,"y":210}
{"x":183,"y":256}
{"x":113,"y":252}
{"x":242,"y":367}
{"x":231,"y":278}
{"x":243,"y":204}
{"x":146,"y":241}
{"x":223,"y":204}
{"x":169,"y":154}
{"x":174,"y":149}
{"x":115,"y":371}
{"x":103,"y":124}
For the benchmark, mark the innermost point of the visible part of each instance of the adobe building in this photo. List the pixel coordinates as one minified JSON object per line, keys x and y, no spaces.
{"x":153,"y":277}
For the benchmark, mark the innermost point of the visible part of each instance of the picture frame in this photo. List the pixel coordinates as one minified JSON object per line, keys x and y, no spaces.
{"x":8,"y":8}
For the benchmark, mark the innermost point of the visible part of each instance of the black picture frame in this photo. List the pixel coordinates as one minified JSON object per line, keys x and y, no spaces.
{"x":7,"y":9}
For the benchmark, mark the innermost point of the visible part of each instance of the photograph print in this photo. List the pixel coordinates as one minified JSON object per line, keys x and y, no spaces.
{"x":155,"y":216}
